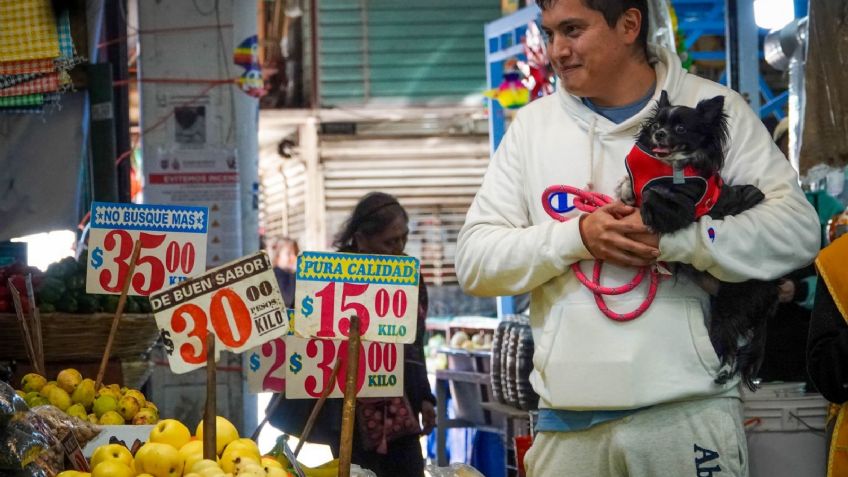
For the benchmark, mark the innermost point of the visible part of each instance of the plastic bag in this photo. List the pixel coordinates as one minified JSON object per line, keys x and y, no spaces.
{"x":10,"y":404}
{"x":56,"y":425}
{"x":20,"y":445}
{"x":454,"y":470}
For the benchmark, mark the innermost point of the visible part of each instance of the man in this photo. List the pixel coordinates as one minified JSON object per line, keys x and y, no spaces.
{"x":634,"y":398}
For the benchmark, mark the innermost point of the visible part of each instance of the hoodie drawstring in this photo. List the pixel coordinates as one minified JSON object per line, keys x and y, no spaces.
{"x":590,"y":186}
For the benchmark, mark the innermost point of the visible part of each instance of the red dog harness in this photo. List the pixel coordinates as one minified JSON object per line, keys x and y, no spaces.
{"x":645,"y":169}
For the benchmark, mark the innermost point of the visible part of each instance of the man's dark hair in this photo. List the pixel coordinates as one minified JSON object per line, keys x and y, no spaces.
{"x":612,"y":11}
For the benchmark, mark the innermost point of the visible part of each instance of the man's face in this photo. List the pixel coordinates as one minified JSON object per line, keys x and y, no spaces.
{"x":584,"y":50}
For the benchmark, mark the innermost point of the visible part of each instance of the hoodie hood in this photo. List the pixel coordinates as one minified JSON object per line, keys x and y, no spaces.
{"x":669,"y":76}
{"x":601,"y":130}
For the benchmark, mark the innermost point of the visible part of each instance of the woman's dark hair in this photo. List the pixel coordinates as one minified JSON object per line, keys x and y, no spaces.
{"x":372,"y":214}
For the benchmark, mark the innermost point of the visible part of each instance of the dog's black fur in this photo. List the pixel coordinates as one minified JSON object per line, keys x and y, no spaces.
{"x":697,"y":137}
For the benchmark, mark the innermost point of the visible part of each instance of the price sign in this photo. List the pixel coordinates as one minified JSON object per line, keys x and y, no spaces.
{"x":381,"y":289}
{"x":239,"y":301}
{"x":265,"y":370}
{"x":309,"y":365}
{"x":173,"y":246}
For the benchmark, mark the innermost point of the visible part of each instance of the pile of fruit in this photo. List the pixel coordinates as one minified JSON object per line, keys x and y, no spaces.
{"x":171,"y":451}
{"x":77,"y":397}
{"x":61,"y":288}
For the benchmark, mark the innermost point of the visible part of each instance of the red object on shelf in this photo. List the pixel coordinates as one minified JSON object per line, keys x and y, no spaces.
{"x":522,"y":443}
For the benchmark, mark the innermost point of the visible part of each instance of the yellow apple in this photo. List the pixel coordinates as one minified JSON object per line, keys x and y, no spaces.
{"x":171,"y":432}
{"x":78,"y":411}
{"x":237,"y":454}
{"x":276,"y":472}
{"x":158,"y":460}
{"x":92,"y":418}
{"x":249,"y":465}
{"x":211,"y":472}
{"x":59,"y":397}
{"x":202,"y":464}
{"x":47,"y":387}
{"x":112,"y":468}
{"x":33,"y":382}
{"x":225,"y":432}
{"x":69,"y":379}
{"x":115,"y":452}
{"x":104,"y":403}
{"x":191,"y":452}
{"x":269,"y":462}
{"x":145,"y":416}
{"x":104,"y":391}
{"x":151,"y":405}
{"x":128,"y":407}
{"x":143,"y":475}
{"x":84,"y":393}
{"x":190,"y":474}
{"x":73,"y":473}
{"x":111,"y":418}
{"x":142,"y":401}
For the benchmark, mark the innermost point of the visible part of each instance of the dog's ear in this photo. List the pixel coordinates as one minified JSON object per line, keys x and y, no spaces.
{"x":711,"y":109}
{"x":664,"y":103}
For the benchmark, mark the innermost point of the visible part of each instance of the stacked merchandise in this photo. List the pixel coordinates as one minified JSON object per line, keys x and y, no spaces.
{"x":512,"y":361}
{"x":37,"y":442}
{"x":36,"y":53}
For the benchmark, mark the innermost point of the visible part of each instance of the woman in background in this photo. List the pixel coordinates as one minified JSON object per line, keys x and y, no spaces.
{"x":379,"y":225}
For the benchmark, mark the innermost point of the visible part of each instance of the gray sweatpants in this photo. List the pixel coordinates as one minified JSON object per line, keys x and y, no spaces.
{"x":704,"y":438}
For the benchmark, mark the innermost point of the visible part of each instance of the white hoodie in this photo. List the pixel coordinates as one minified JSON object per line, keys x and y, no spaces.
{"x":509,"y":245}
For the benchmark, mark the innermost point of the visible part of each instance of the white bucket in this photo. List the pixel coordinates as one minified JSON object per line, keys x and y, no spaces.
{"x":785,"y":430}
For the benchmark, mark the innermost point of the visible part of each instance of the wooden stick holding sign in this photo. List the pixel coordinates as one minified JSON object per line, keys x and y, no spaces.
{"x":38,"y":344}
{"x":118,"y":313}
{"x":349,"y":406}
{"x":316,"y":409}
{"x":29,"y":347}
{"x":210,"y":415}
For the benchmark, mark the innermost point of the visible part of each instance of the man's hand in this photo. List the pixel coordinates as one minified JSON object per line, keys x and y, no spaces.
{"x":785,"y":291}
{"x":615,"y":233}
{"x":428,"y":416}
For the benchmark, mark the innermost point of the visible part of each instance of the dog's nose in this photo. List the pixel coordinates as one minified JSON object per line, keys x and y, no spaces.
{"x":660,"y":135}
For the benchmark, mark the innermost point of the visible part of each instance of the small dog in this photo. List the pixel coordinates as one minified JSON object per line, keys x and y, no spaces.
{"x":673,"y":177}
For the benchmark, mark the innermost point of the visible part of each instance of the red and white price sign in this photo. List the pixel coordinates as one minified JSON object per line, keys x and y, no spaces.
{"x":382,"y":290}
{"x":240,"y":302}
{"x":173,"y":246}
{"x":309,"y":366}
{"x":265,"y":370}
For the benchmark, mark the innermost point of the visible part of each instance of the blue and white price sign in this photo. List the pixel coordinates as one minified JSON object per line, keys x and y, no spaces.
{"x":173,"y":246}
{"x":382,"y":290}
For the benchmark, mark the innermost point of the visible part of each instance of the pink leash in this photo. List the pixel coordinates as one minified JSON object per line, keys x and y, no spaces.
{"x":588,"y":202}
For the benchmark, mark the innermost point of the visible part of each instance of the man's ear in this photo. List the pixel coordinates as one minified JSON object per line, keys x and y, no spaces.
{"x":630,"y":23}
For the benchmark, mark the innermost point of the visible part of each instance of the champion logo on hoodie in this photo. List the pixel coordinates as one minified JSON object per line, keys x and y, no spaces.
{"x":561,"y":202}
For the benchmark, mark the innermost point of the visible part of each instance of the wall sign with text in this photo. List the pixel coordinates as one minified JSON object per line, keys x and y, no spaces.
{"x":173,"y":246}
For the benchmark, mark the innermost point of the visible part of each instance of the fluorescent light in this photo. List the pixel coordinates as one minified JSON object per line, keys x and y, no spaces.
{"x":773,"y":14}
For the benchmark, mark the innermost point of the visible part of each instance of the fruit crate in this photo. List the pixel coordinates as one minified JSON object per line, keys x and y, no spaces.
{"x":81,"y":337}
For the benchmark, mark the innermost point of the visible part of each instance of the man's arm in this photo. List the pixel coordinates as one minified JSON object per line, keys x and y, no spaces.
{"x":499,"y":252}
{"x":777,"y":236}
